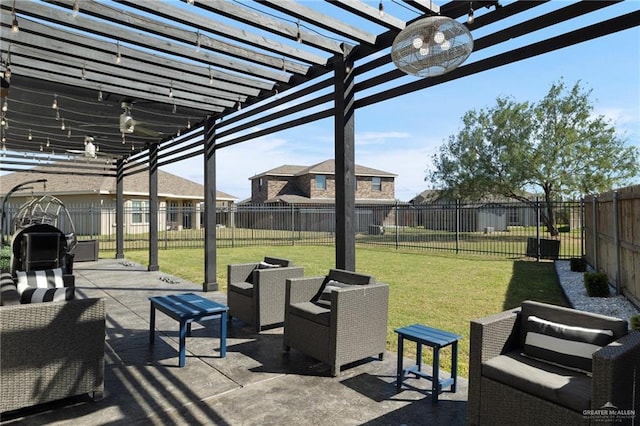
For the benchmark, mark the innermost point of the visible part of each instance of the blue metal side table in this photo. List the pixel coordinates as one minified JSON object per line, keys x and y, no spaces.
{"x":186,"y":308}
{"x":436,"y":339}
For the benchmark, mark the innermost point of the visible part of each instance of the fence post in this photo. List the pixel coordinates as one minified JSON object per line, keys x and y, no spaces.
{"x":582,"y":227}
{"x":396,"y":223}
{"x":293,"y":228}
{"x":457,"y":225}
{"x":616,"y":239}
{"x":537,"y":229}
{"x":595,"y":232}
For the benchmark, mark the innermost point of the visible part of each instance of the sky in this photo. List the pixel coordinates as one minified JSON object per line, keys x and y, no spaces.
{"x":401,"y":135}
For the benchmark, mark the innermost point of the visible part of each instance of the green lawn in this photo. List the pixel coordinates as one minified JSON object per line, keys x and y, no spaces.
{"x":440,"y":290}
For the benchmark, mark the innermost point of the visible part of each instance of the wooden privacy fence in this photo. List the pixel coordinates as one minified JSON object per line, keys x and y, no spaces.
{"x":612,"y":238}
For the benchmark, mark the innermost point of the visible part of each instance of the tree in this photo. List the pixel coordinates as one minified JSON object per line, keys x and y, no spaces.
{"x":556,"y":146}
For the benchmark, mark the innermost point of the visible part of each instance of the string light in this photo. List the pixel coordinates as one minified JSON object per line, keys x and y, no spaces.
{"x":62,"y":126}
{"x":99,"y":95}
{"x":5,"y":106}
{"x":41,"y":148}
{"x":118,"y":55}
{"x":174,"y":109}
{"x":54,"y":105}
{"x":198,"y":41}
{"x":14,"y":24}
{"x":48,"y":143}
{"x":470,"y":18}
{"x":76,"y":8}
{"x":381,"y":9}
{"x":57,"y":115}
{"x":171,"y":90}
{"x":84,"y":72}
{"x":191,"y":1}
{"x":210,"y":77}
{"x":298,"y":35}
{"x":189,"y":123}
{"x":30,"y":137}
{"x":239,"y":107}
{"x":124,"y":139}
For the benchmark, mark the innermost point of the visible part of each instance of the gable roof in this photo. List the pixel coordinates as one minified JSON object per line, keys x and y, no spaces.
{"x":327,"y":167}
{"x":61,"y":183}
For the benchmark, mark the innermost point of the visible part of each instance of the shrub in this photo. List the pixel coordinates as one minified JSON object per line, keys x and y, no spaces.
{"x":564,"y":228}
{"x":5,"y":259}
{"x":597,"y":284}
{"x":635,"y":322}
{"x":578,"y":264}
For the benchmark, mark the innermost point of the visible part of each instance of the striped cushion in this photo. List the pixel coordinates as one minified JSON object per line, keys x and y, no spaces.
{"x":43,"y":286}
{"x":8,"y":290}
{"x":567,"y":346}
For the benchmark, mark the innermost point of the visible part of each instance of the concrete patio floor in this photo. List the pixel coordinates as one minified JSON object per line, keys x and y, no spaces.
{"x":255,"y":384}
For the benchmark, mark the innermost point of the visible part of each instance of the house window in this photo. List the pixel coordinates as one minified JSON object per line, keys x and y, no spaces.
{"x":139,"y":211}
{"x":376,"y":184}
{"x":321,"y":182}
{"x":260,"y":184}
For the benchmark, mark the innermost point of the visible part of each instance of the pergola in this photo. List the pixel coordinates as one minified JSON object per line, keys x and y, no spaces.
{"x":147,"y":83}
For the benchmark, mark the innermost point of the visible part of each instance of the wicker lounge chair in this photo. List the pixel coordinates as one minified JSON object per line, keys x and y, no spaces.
{"x":255,"y":291}
{"x":509,"y":386}
{"x":337,"y":319}
{"x":51,"y":351}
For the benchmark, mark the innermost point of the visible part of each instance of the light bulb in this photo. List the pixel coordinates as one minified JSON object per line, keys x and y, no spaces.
{"x":188,"y":123}
{"x":62,"y":126}
{"x":470,"y":18}
{"x":118,"y":55}
{"x":191,"y":1}
{"x":445,"y":45}
{"x":424,"y":51}
{"x":381,"y":9}
{"x":198,"y":41}
{"x":76,"y":8}
{"x":175,"y":108}
{"x":99,"y":95}
{"x":30,"y":137}
{"x":48,"y":143}
{"x":5,"y":106}
{"x":298,"y":35}
{"x":417,"y":42}
{"x":438,"y":37}
{"x":54,"y":105}
{"x":14,"y":24}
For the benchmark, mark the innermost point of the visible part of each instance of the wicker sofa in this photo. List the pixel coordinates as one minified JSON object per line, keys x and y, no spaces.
{"x":508,"y":387}
{"x":337,"y":319}
{"x":50,"y":351}
{"x":255,"y":291}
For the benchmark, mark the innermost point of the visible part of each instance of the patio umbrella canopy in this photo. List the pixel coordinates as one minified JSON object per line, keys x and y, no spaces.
{"x":131,"y":74}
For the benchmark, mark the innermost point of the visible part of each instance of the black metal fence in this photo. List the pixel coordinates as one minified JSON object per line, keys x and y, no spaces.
{"x":504,"y":229}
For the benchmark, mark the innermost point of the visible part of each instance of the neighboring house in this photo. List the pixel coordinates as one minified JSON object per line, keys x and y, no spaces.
{"x":312,"y":191}
{"x":492,"y":213}
{"x":91,"y":199}
{"x":317,"y":184}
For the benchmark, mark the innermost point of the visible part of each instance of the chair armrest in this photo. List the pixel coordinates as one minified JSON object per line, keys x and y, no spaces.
{"x":302,"y":289}
{"x":489,"y":337}
{"x":240,"y":272}
{"x":616,"y":373}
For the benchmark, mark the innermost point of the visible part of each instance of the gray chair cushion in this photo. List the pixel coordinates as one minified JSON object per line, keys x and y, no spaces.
{"x":243,"y":288}
{"x":312,"y":312}
{"x":556,"y":384}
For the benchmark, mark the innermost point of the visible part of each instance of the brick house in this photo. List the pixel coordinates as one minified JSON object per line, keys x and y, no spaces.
{"x":317,"y":184}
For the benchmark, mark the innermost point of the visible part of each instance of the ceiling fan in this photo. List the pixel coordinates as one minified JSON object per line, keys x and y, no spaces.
{"x":128,"y":125}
